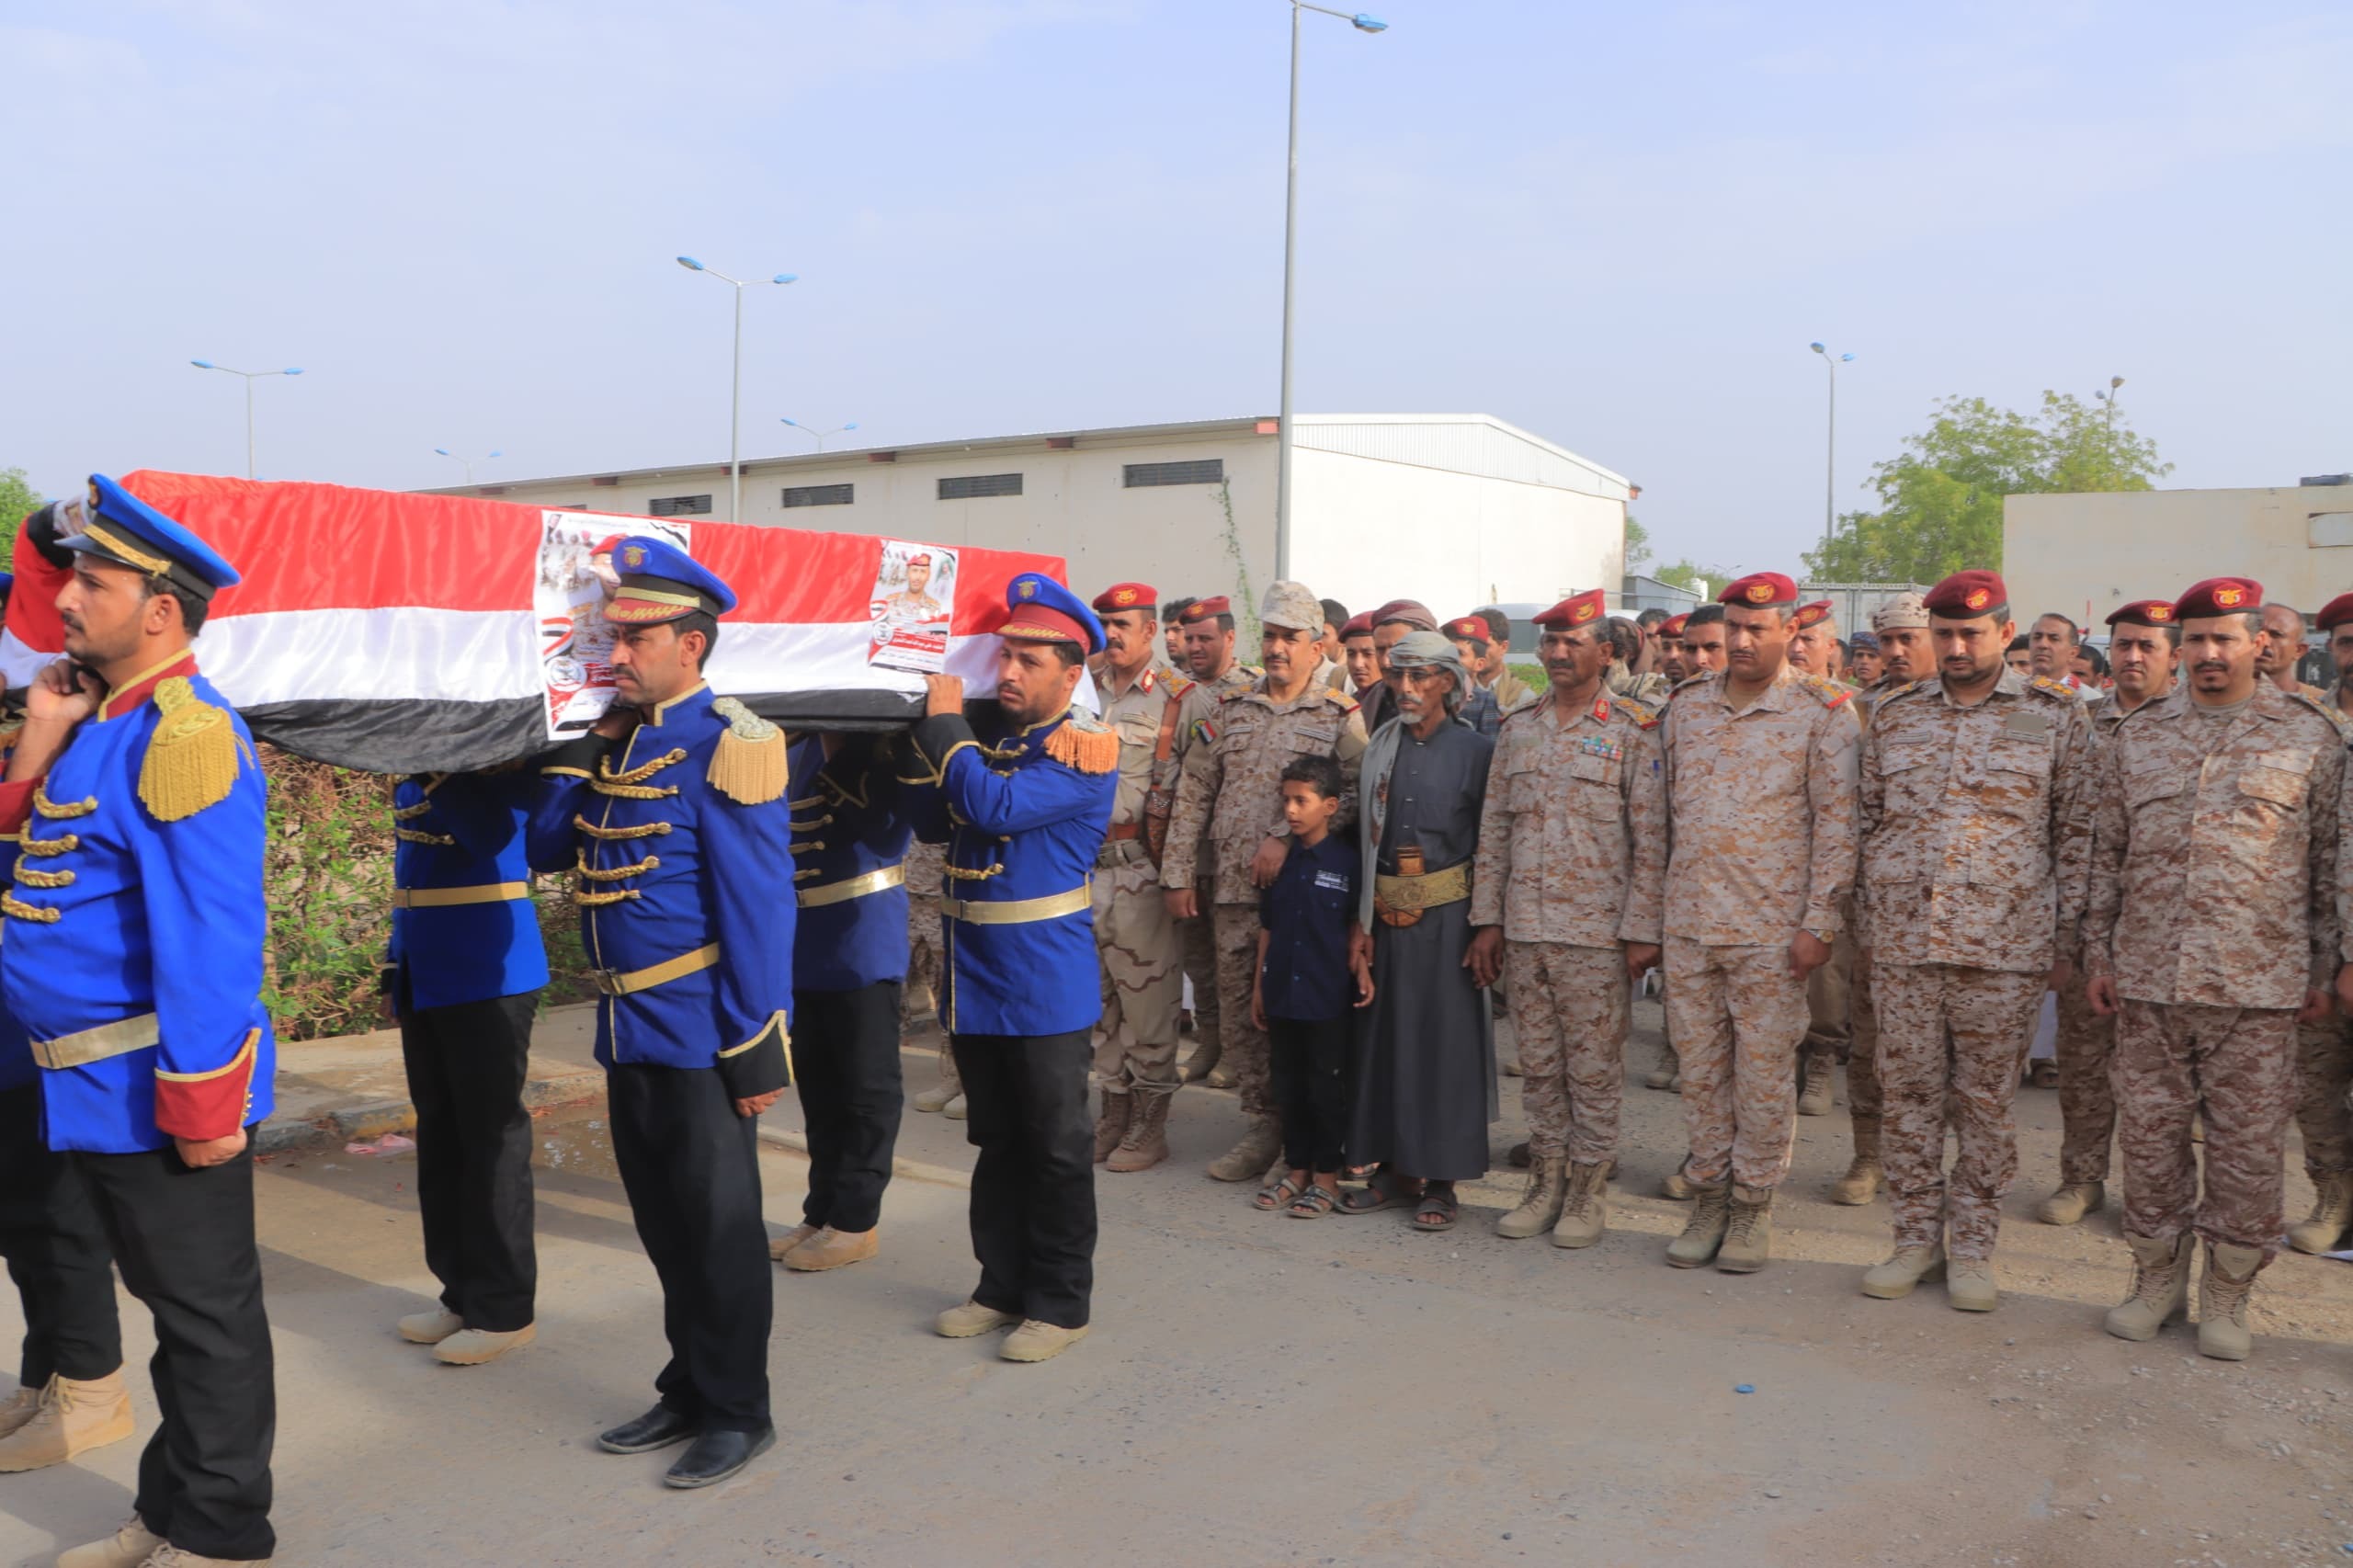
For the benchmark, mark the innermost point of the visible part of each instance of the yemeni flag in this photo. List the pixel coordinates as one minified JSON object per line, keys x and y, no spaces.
{"x":401,"y":633}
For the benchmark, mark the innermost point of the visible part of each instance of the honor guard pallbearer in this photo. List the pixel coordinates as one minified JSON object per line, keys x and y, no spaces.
{"x":1022,"y":799}
{"x":673,"y":817}
{"x":133,"y":961}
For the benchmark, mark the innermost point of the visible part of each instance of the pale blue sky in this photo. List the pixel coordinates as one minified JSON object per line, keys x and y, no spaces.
{"x":1617,"y":226}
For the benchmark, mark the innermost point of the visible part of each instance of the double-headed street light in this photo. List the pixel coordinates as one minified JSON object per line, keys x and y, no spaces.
{"x":736,"y":412}
{"x":250,"y":376}
{"x":1363,"y":24}
{"x":819,"y":436}
{"x":1830,"y":483}
{"x":468,"y":463}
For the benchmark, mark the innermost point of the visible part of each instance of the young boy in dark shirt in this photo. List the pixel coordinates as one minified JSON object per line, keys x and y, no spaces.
{"x":1303,"y":990}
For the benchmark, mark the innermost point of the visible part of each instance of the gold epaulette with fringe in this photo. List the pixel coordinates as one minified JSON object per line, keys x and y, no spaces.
{"x":748,"y":766}
{"x":192,"y":757}
{"x":1085,"y":745}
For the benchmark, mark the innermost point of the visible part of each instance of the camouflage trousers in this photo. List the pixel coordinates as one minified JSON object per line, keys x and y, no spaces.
{"x":920,"y":998}
{"x":2324,"y":1078}
{"x":1571,"y":1006}
{"x":1738,"y":1015}
{"x":1864,"y":1099}
{"x":2087,"y":1090}
{"x":1950,"y":1042}
{"x":1245,"y":1047}
{"x":1140,"y":970}
{"x":2236,"y":1068}
{"x":1829,"y":1021}
{"x":1198,"y":939}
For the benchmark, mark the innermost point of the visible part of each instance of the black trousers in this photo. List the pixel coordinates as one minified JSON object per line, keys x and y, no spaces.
{"x":1309,"y":1062}
{"x":57,"y":1253}
{"x":845,"y":1063}
{"x":692,"y":1170}
{"x":466,"y":1066}
{"x":184,"y":1240}
{"x":1033,"y":1186}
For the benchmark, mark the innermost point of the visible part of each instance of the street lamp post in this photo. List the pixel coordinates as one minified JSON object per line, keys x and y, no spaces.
{"x":819,"y":436}
{"x":1363,"y":24}
{"x":250,"y":377}
{"x":468,"y":463}
{"x":736,"y":412}
{"x":1830,"y":481}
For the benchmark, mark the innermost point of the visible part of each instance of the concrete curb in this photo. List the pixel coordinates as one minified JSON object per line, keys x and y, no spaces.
{"x":913,"y":1170}
{"x":373,"y":1119}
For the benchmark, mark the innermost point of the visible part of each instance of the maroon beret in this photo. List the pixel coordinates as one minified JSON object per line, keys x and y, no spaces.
{"x":2157,"y":612}
{"x":1760,"y":590}
{"x":2334,"y":613}
{"x":1967,"y":594}
{"x":2219,"y":596}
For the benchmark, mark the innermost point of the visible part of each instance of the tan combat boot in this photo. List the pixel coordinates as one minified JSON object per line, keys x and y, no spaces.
{"x":173,"y":1557}
{"x":1035,"y":1341}
{"x":1969,"y":1285}
{"x":1539,"y":1207}
{"x":1146,"y":1143}
{"x":127,"y":1548}
{"x":74,"y":1417}
{"x":1864,"y":1175}
{"x":1748,"y":1235}
{"x":1678,"y":1187}
{"x":970,"y":1318}
{"x":1584,"y":1211}
{"x":2072,"y":1202}
{"x":2223,"y":1291}
{"x":948,"y":1087}
{"x":18,"y":1409}
{"x":2160,"y":1289}
{"x":1817,"y":1089}
{"x":830,"y":1249}
{"x":1110,"y":1123}
{"x":954,"y":1110}
{"x":1204,"y":1060}
{"x":1893,"y":1280}
{"x":1704,"y":1231}
{"x":2332,"y":1212}
{"x":791,"y":1239}
{"x":1663,"y":1075}
{"x":428,"y":1329}
{"x":1248,"y":1160}
{"x":480,"y":1347}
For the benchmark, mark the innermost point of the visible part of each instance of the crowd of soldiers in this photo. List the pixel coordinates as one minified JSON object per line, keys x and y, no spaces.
{"x":1896,"y":873}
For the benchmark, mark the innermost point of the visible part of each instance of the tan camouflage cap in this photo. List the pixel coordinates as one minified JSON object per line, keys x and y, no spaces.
{"x":1903,"y":613}
{"x":1290,"y":606}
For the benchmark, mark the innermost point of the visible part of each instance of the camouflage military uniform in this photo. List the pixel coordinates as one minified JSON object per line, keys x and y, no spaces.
{"x":1864,"y":1102}
{"x":2324,"y":1052}
{"x":2087,"y":1042}
{"x":1135,"y":937}
{"x":1512,"y":693}
{"x":919,"y":1000}
{"x":1571,"y":862}
{"x":2239,"y":813}
{"x":1762,"y":806}
{"x":1228,"y":801}
{"x":1974,"y":835}
{"x":1650,"y":691}
{"x":1195,"y":725}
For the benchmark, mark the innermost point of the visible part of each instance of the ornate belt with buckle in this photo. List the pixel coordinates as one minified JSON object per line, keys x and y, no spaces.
{"x":1018,"y":911}
{"x":1400,"y":900}
{"x":624,"y":982}
{"x":851,"y":887}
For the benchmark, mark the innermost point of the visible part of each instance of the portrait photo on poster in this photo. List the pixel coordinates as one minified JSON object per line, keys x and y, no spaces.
{"x":575,"y":581}
{"x":912,"y":606}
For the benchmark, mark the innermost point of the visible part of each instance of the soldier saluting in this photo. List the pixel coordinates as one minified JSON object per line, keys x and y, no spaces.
{"x":672,"y":816}
{"x":134,"y":960}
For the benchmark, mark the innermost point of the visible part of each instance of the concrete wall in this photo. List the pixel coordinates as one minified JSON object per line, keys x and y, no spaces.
{"x":1368,"y":531}
{"x":2084,"y":555}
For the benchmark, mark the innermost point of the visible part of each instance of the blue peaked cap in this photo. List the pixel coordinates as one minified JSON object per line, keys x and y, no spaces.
{"x":1039,"y":608}
{"x":660,"y":582}
{"x":124,"y":530}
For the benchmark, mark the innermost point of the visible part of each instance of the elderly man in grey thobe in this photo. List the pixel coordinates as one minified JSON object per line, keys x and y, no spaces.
{"x":1425,"y":1076}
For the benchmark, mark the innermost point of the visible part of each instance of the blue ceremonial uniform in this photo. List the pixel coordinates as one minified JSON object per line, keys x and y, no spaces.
{"x":849,"y":847}
{"x":1022,"y":827}
{"x":678,"y":891}
{"x":1023,"y":812}
{"x":134,"y":954}
{"x":849,"y":961}
{"x":464,"y":928}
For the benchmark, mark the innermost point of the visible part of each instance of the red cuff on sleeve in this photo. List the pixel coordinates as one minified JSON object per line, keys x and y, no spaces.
{"x":17,"y":804}
{"x":202,"y":1106}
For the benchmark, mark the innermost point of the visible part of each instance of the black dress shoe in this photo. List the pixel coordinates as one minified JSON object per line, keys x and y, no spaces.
{"x":715,"y":1455}
{"x":657,"y":1428}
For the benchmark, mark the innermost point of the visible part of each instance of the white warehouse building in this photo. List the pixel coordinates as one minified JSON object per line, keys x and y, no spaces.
{"x":1455,"y":509}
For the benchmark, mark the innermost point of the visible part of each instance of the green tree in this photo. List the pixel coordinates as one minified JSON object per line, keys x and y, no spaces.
{"x":1686,"y":572}
{"x":18,"y":500}
{"x":1940,"y":499}
{"x":1638,"y":545}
